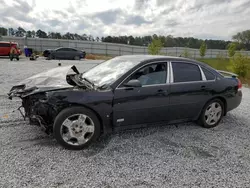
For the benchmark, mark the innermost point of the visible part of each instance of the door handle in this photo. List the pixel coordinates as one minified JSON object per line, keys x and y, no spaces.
{"x":161,"y":91}
{"x":204,"y":88}
{"x":129,"y":88}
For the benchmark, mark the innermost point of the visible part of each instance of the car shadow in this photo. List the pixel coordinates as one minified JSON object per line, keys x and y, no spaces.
{"x":116,"y":142}
{"x":4,"y":57}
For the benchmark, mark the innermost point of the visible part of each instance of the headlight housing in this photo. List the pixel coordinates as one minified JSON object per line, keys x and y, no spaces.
{"x":44,"y":97}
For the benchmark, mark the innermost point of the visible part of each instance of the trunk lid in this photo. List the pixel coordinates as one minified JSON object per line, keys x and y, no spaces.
{"x":230,"y":75}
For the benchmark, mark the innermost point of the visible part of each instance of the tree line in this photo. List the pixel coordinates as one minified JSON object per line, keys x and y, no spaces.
{"x":241,"y":39}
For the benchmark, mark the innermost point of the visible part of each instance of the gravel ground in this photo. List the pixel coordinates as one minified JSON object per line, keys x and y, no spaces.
{"x":183,"y":155}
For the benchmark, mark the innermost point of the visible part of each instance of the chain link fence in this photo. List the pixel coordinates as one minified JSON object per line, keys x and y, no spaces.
{"x":111,"y":49}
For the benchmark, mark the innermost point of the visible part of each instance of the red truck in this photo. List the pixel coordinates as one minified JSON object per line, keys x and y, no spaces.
{"x":6,"y":46}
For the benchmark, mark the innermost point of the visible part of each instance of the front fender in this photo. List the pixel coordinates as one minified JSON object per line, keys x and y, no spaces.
{"x":100,"y":102}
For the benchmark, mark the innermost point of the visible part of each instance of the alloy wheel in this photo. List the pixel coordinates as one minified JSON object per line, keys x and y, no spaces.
{"x":77,"y":129}
{"x":213,"y":113}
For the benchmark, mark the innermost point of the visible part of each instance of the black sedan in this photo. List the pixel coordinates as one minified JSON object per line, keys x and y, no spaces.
{"x":126,"y":92}
{"x":47,"y":52}
{"x":65,"y":53}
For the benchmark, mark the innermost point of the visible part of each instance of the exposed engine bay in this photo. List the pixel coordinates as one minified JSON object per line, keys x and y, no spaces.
{"x":37,"y":105}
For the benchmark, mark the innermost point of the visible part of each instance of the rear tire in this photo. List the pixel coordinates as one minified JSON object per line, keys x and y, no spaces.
{"x":50,"y":56}
{"x":80,"y":132}
{"x":77,"y":58}
{"x":211,"y":114}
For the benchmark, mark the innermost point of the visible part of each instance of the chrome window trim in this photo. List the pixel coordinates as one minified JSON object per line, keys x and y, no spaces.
{"x":204,"y":79}
{"x":171,"y":73}
{"x":192,"y":82}
{"x":215,"y":77}
{"x":167,"y":79}
{"x":202,"y":74}
{"x":168,"y":72}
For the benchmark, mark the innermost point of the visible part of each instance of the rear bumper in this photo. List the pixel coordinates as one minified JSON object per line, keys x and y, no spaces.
{"x":234,"y":101}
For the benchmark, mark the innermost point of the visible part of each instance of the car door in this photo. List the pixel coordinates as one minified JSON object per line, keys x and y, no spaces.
{"x":58,"y":54}
{"x":4,"y":49}
{"x":69,"y":53}
{"x":74,"y":53}
{"x":146,"y":104}
{"x":189,"y":91}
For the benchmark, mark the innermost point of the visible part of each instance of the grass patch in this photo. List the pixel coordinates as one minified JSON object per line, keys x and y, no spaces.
{"x":219,"y":64}
{"x":97,"y":57}
{"x":226,"y":65}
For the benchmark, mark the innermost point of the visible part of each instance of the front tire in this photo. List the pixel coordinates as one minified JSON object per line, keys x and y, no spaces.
{"x":211,"y":114}
{"x":50,"y":57}
{"x":76,"y":128}
{"x":77,"y":58}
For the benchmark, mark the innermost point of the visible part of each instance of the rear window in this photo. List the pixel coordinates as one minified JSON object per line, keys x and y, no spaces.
{"x":4,"y":44}
{"x":208,"y":74}
{"x":186,"y":72}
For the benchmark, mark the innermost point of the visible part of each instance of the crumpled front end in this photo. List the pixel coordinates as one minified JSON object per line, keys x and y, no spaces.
{"x":35,"y":91}
{"x":38,"y":111}
{"x":57,"y":78}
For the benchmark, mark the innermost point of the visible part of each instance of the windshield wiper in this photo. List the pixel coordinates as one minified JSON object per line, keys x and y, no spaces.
{"x":84,"y":80}
{"x":104,"y":86}
{"x":87,"y":80}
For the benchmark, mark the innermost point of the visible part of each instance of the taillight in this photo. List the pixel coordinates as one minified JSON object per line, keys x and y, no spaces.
{"x":239,"y":84}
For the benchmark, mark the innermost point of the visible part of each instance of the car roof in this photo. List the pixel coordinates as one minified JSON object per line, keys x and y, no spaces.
{"x":8,"y":42}
{"x":148,"y":58}
{"x":65,"y":47}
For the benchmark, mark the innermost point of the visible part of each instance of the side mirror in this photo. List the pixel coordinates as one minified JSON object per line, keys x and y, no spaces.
{"x":133,"y":83}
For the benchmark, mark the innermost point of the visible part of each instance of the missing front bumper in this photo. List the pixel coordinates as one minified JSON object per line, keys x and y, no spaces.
{"x":34,"y":120}
{"x":39,"y":121}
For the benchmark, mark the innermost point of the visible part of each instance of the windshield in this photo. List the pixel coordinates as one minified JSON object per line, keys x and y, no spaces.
{"x":109,"y":71}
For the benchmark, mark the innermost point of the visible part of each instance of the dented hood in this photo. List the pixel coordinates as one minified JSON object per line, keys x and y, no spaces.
{"x":52,"y":79}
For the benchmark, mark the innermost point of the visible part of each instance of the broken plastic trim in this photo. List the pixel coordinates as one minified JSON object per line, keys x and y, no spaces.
{"x":23,"y":115}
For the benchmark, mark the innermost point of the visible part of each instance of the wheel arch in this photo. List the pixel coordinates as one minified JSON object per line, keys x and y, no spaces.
{"x":224,"y":102}
{"x":222,"y":99}
{"x":87,"y":107}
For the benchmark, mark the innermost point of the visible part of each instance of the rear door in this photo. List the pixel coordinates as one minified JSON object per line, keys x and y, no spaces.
{"x":4,"y":49}
{"x":1,"y":49}
{"x":189,"y":91}
{"x":69,"y":53}
{"x":74,"y":53}
{"x":60,"y":53}
{"x":146,"y":104}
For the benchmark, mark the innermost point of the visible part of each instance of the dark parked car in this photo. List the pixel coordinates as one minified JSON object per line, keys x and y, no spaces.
{"x":47,"y":52}
{"x":65,"y":53}
{"x":126,"y":92}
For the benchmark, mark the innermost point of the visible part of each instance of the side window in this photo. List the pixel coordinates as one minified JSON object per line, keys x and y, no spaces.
{"x":61,"y":49}
{"x":208,"y":74}
{"x":4,"y":44}
{"x":151,"y":74}
{"x":186,"y":72}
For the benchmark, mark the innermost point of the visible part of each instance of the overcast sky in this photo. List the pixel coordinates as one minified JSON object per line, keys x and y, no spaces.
{"x":206,"y":19}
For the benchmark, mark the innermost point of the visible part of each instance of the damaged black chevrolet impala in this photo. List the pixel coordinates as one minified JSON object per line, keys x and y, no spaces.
{"x":126,"y":92}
